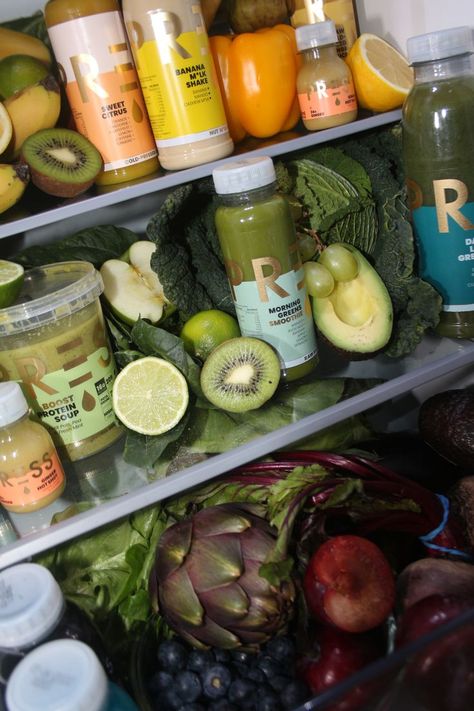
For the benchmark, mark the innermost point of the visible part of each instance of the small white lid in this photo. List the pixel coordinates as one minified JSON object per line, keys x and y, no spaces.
{"x":317,"y":34}
{"x":63,"y":675}
{"x":243,"y":175}
{"x":13,"y":403}
{"x":31,"y":603}
{"x":439,"y":45}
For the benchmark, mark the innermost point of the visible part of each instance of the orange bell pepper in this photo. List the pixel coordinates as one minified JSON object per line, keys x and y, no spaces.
{"x":258,"y":80}
{"x":220,"y":45}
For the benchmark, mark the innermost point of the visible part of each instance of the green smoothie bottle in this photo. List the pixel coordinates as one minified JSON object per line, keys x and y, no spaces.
{"x":258,"y":240}
{"x":438,"y":152}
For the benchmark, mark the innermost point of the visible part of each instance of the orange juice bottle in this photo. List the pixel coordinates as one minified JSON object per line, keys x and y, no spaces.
{"x":90,"y":44}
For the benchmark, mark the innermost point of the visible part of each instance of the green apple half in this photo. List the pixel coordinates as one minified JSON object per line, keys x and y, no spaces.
{"x":131,"y":287}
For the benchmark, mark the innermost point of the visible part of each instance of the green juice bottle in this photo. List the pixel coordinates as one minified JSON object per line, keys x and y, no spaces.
{"x":258,"y":240}
{"x":438,"y":152}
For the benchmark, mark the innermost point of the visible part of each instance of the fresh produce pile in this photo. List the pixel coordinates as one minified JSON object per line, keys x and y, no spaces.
{"x":285,"y":577}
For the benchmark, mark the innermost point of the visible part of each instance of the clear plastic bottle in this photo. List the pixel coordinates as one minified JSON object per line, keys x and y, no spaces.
{"x":176,"y":71}
{"x":31,"y":474}
{"x":64,"y":674}
{"x":33,"y":610}
{"x":258,"y":240}
{"x":325,"y":88}
{"x":438,"y":153}
{"x":90,"y":44}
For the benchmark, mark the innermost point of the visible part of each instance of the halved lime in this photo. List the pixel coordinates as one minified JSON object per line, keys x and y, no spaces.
{"x":150,"y":395}
{"x":11,"y":280}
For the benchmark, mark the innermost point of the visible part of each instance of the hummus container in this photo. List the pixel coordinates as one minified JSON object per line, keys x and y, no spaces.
{"x":54,"y":343}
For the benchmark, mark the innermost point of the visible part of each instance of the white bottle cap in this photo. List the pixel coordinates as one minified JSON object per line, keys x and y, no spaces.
{"x":439,"y":45}
{"x":243,"y":175}
{"x":13,"y":404}
{"x":63,"y":675}
{"x":316,"y":35}
{"x":31,"y":603}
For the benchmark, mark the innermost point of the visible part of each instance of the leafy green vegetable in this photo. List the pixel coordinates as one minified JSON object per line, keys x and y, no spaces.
{"x":192,"y":277}
{"x":93,"y":244}
{"x":145,"y":451}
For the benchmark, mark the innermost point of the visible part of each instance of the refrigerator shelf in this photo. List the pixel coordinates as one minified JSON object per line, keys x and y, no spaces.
{"x":114,"y":489}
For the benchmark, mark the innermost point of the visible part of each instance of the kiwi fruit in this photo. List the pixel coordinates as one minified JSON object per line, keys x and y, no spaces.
{"x":62,"y":162}
{"x":241,"y":374}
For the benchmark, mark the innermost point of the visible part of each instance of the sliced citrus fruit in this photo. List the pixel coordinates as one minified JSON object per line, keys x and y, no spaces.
{"x":206,"y":330}
{"x":382,"y":76}
{"x":11,"y":280}
{"x":150,"y":395}
{"x":6,"y":129}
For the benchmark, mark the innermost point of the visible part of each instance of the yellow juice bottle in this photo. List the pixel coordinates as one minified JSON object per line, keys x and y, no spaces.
{"x":90,"y":44}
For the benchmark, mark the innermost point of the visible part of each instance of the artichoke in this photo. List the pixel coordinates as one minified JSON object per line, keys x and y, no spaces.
{"x":206,"y":582}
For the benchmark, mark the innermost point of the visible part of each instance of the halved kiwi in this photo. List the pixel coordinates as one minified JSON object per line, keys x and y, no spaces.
{"x":241,"y":374}
{"x":62,"y":162}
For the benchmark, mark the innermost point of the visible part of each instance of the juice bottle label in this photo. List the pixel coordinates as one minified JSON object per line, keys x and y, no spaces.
{"x":275,"y":310}
{"x":321,"y":101}
{"x":42,"y":478}
{"x":179,"y":83}
{"x":445,"y":234}
{"x":102,"y":88}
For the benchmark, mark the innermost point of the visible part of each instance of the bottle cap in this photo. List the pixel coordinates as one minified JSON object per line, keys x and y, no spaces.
{"x":63,"y":675}
{"x":439,"y":45}
{"x":13,"y":403}
{"x":31,"y":603}
{"x":243,"y":175}
{"x":316,"y":35}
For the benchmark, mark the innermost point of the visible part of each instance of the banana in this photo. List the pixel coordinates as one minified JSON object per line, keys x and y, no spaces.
{"x":13,"y":42}
{"x":13,"y":182}
{"x":35,"y":107}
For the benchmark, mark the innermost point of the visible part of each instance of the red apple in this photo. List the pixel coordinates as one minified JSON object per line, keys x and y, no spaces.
{"x":349,"y":583}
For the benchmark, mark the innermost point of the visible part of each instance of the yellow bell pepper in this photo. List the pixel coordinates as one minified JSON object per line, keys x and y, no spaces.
{"x":257,"y":75}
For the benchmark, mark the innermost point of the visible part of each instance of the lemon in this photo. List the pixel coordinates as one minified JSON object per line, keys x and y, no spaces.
{"x":11,"y":280}
{"x":6,"y":128}
{"x":206,"y":330}
{"x":382,"y":76}
{"x":17,"y":71}
{"x":150,"y":395}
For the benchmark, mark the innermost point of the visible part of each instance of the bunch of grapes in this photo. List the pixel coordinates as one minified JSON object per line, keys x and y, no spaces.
{"x":190,"y":679}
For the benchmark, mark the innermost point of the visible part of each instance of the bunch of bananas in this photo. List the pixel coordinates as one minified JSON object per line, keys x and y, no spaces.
{"x":26,"y":111}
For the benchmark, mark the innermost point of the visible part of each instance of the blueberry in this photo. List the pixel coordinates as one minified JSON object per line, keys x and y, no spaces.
{"x":172,"y":655}
{"x":241,"y":656}
{"x":294,"y":694}
{"x":168,"y":700}
{"x":216,"y":681}
{"x":188,"y":685}
{"x":282,"y":649}
{"x":192,"y":707}
{"x":241,"y":690}
{"x":221,"y":705}
{"x":221,"y":655}
{"x":270,"y":666}
{"x":160,"y":681}
{"x":256,"y":674}
{"x":278,"y":682}
{"x":268,"y":701}
{"x":199,"y":659}
{"x":239,"y":669}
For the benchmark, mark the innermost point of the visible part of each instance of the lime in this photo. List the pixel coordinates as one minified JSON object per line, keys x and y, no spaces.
{"x":11,"y":280}
{"x":206,"y":330}
{"x":6,"y":128}
{"x":150,"y":395}
{"x":17,"y":71}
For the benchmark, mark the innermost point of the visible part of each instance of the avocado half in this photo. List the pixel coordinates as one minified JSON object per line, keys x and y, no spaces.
{"x":357,"y":317}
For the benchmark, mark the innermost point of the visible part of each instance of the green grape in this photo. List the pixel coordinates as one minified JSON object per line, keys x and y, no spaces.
{"x":307,"y":246}
{"x":319,"y":280}
{"x":340,"y":261}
